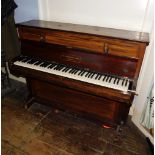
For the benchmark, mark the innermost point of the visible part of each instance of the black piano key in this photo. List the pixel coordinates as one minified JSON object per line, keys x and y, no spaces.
{"x":82,"y":73}
{"x":56,"y":67}
{"x":41,"y":64}
{"x":76,"y":71}
{"x":38,"y":63}
{"x":118,"y":81}
{"x":99,"y":76}
{"x":67,"y":69}
{"x":71,"y":70}
{"x":92,"y":75}
{"x":104,"y":77}
{"x":115,"y":80}
{"x":29,"y":61}
{"x":107,"y":78}
{"x":45,"y":64}
{"x":87,"y":74}
{"x":20,"y":58}
{"x":51,"y":66}
{"x":61,"y":67}
{"x":64,"y":69}
{"x":126,"y":82}
{"x":34,"y":62}
{"x":110,"y":79}
{"x":123,"y":82}
{"x":26,"y":59}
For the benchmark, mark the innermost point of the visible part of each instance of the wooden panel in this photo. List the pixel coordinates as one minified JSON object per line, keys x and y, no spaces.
{"x":75,"y":100}
{"x":68,"y":39}
{"x":123,"y":50}
{"x":92,"y":43}
{"x":75,"y":40}
{"x":97,"y":62}
{"x":31,"y":34}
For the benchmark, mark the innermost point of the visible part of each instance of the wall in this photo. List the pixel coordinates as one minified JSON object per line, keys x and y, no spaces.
{"x":27,"y":9}
{"x":125,"y":14}
{"x":145,"y":82}
{"x":128,"y":14}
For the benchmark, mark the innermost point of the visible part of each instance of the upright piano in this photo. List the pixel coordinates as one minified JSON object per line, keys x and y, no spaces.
{"x":88,"y":70}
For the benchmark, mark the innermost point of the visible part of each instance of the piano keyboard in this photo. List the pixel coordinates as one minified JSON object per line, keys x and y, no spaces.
{"x":75,"y":73}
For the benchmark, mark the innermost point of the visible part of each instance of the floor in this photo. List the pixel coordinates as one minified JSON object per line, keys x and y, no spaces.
{"x":42,"y":130}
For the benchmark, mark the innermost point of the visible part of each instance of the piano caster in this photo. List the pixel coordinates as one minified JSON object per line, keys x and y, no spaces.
{"x":29,"y":103}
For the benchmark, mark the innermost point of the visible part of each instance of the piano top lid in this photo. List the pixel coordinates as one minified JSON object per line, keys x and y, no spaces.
{"x":96,"y":30}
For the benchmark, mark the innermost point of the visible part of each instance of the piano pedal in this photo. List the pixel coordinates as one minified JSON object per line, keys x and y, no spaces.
{"x":29,"y":103}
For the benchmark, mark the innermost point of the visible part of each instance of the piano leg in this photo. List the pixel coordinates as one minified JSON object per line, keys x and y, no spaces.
{"x":30,"y":98}
{"x":119,"y":127}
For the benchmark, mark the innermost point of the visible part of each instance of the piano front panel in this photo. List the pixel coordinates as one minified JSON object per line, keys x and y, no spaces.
{"x":86,"y":104}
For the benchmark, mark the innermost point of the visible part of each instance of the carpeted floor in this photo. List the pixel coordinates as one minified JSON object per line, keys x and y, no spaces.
{"x":42,"y":130}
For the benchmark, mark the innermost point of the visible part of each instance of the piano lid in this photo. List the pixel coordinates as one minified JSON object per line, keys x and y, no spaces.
{"x":101,"y":31}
